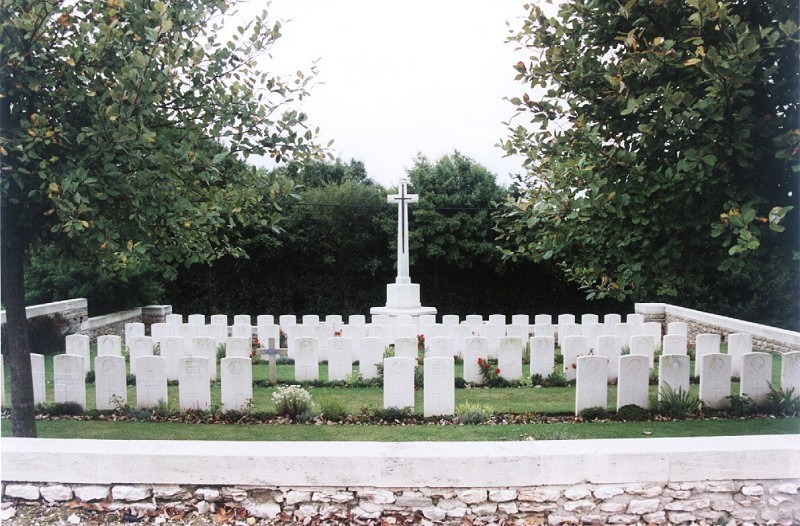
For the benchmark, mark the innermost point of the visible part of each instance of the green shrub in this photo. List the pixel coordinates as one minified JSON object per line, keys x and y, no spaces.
{"x":291,"y":401}
{"x":459,"y":382}
{"x":594,"y":413}
{"x":393,"y":413}
{"x":632,"y":413}
{"x":555,"y":379}
{"x":678,"y":404}
{"x":783,"y":401}
{"x":742,"y":405}
{"x":332,"y":409}
{"x":90,"y":377}
{"x":63,"y":409}
{"x":473,"y":414}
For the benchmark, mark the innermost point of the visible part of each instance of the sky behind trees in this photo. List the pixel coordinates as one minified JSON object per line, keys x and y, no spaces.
{"x":400,"y":78}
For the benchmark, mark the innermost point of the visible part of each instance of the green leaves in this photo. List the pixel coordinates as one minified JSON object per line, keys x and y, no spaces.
{"x":675,"y":142}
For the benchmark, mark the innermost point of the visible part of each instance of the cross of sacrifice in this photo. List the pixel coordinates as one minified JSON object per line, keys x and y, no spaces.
{"x":402,"y":199}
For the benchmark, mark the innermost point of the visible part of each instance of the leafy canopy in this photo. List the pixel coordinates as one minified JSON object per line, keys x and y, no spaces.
{"x":661,"y":141}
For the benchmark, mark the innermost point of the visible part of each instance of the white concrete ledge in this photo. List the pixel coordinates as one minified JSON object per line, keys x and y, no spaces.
{"x":109,"y":319}
{"x":51,"y":308}
{"x":732,"y":325}
{"x":400,"y":464}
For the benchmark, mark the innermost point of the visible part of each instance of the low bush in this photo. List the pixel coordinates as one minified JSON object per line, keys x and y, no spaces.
{"x":594,"y":413}
{"x":678,"y":404}
{"x":473,"y":414}
{"x":783,"y":401}
{"x":291,"y":401}
{"x":632,"y":413}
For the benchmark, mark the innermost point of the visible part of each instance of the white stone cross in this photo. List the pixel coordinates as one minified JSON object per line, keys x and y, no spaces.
{"x":402,"y":199}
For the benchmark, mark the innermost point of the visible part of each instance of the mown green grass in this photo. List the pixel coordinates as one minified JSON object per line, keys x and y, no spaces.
{"x":413,"y":433}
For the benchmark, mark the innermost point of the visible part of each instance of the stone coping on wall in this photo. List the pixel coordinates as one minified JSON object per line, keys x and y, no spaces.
{"x":52,"y":308}
{"x":790,"y":338}
{"x":400,"y":464}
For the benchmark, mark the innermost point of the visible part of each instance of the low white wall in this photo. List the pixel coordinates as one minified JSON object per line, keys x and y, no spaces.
{"x":765,"y":337}
{"x":401,"y":464}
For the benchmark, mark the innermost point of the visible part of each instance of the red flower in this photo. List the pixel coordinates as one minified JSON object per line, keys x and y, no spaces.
{"x":480,"y":361}
{"x":497,"y":371}
{"x":574,"y":366}
{"x":337,"y":333}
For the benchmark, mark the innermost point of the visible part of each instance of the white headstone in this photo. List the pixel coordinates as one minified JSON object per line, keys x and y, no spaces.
{"x":790,"y":371}
{"x":218,"y":332}
{"x":509,"y":357}
{"x":173,"y":349}
{"x":610,"y":347}
{"x":518,"y":331}
{"x":151,"y":381}
{"x":335,"y":320}
{"x":356,"y":319}
{"x":586,"y":319}
{"x":642,"y":345}
{"x":678,"y":327}
{"x":306,"y":360}
{"x":405,"y":331}
{"x":544,"y":329}
{"x":635,"y":321}
{"x":287,"y":320}
{"x":633,"y":383}
{"x":242,"y":319}
{"x":566,"y":330}
{"x":624,"y":331}
{"x":206,"y":348}
{"x":78,"y":344}
{"x":739,"y":344}
{"x":37,"y":372}
{"x":242,"y":331}
{"x":592,"y":331}
{"x":158,"y":331}
{"x":196,"y":319}
{"x":452,"y":319}
{"x":131,"y":330}
{"x":398,"y":382}
{"x":370,"y":354}
{"x":756,"y":375}
{"x":542,"y":319}
{"x":139,"y":346}
{"x":439,"y":396}
{"x":427,"y":319}
{"x":111,"y":391}
{"x":673,"y":374}
{"x":473,"y":319}
{"x":591,"y":387}
{"x":440,"y":347}
{"x":173,"y":319}
{"x":493,"y":333}
{"x":355,"y":332}
{"x":219,"y":319}
{"x":265,"y":319}
{"x":109,"y":345}
{"x":571,"y":348}
{"x":238,"y":347}
{"x":310,"y":319}
{"x":705,"y":344}
{"x":269,"y":335}
{"x":715,"y":380}
{"x":652,"y":329}
{"x":188,"y":332}
{"x":236,"y":389}
{"x":340,"y":359}
{"x":675,"y":344}
{"x":611,"y":320}
{"x":194,"y":391}
{"x":406,"y":348}
{"x":542,"y":355}
{"x":474,"y":348}
{"x":566,"y":318}
{"x":69,"y":379}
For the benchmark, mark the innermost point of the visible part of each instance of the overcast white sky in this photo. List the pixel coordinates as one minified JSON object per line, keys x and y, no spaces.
{"x":397,"y":78}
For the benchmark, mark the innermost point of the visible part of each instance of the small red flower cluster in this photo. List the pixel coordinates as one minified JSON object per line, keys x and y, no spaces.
{"x":420,"y":342}
{"x":337,"y":333}
{"x":489,"y":373}
{"x":255,"y":343}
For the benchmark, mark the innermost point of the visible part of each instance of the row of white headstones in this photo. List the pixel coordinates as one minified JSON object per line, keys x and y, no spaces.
{"x":186,"y":363}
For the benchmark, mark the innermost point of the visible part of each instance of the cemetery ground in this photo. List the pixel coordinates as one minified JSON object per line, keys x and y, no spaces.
{"x":352,"y":411}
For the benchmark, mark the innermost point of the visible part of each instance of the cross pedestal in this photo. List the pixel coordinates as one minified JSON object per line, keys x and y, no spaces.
{"x":402,"y":296}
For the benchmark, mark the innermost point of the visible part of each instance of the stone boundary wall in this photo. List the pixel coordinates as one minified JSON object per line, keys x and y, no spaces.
{"x":765,"y":338}
{"x":625,"y":481}
{"x":69,"y":313}
{"x":73,"y":317}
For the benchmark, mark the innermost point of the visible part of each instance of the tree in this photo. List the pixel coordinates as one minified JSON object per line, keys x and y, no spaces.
{"x":662,"y":143}
{"x":114,"y":115}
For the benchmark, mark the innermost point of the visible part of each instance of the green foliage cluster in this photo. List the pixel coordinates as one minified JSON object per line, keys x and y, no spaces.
{"x":661,"y":147}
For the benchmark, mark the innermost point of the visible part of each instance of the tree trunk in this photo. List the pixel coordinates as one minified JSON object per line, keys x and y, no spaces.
{"x":18,"y":353}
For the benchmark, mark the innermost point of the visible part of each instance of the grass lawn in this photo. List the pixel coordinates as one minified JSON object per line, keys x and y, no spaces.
{"x":554,"y":400}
